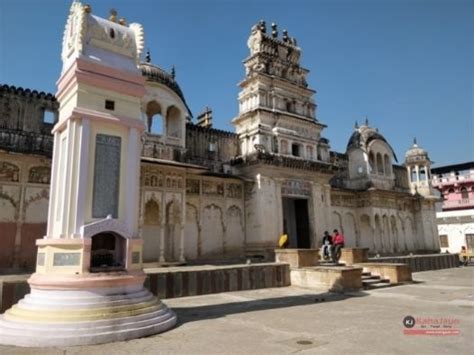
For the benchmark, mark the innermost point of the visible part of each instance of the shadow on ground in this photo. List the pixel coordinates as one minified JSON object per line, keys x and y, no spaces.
{"x":196,"y":313}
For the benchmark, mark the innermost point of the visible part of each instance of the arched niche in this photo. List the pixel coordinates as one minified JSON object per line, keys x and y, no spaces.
{"x":156,"y":122}
{"x":108,"y":252}
{"x":174,"y":122}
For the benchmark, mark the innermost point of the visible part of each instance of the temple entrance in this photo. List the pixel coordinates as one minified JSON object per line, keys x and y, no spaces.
{"x":296,"y":222}
{"x":107,"y":252}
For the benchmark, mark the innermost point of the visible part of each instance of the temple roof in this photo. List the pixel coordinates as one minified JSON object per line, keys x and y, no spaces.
{"x":363,"y":136}
{"x":155,"y":74}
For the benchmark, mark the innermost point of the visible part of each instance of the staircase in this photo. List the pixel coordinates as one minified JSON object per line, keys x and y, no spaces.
{"x":371,"y":282}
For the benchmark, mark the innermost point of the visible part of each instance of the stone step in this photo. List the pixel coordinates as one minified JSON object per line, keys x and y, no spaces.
{"x":377,"y":285}
{"x":375,"y":282}
{"x":329,"y":263}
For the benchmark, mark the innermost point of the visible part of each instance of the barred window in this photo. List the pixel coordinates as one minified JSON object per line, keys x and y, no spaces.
{"x":470,"y":241}
{"x":443,"y":241}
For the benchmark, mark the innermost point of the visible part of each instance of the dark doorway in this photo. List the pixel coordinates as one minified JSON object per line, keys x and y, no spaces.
{"x":296,"y":222}
{"x":107,"y":253}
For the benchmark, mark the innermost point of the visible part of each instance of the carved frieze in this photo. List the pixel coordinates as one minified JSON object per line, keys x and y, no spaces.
{"x":154,"y":177}
{"x":234,"y":190}
{"x":213,"y":188}
{"x":9,"y":172}
{"x":39,"y":175}
{"x":192,"y":187}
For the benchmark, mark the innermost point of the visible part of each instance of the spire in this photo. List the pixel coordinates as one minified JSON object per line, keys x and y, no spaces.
{"x":274,"y":30}
{"x":113,"y":15}
{"x":356,"y":126}
{"x":173,"y":72}
{"x":366,"y":120}
{"x":414,"y":142}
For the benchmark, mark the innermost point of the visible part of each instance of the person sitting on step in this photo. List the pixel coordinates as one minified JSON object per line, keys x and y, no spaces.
{"x":338,"y":244}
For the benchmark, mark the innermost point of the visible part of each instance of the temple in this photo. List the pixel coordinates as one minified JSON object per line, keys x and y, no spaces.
{"x":200,"y":194}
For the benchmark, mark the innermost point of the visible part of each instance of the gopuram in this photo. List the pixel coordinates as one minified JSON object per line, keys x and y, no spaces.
{"x":88,"y":284}
{"x":192,"y":193}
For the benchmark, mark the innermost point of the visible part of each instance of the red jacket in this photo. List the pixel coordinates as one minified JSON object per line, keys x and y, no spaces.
{"x":338,"y":239}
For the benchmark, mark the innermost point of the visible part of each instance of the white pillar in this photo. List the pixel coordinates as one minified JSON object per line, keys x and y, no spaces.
{"x":132,"y":181}
{"x":84,"y":174}
{"x":52,"y":192}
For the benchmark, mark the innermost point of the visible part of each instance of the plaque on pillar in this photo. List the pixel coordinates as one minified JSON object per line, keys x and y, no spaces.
{"x":106,"y":176}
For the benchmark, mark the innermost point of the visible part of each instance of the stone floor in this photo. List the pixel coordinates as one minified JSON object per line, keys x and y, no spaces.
{"x":290,"y":320}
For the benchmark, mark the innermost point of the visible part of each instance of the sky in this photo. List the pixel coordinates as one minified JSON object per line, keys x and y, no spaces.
{"x":406,"y":65}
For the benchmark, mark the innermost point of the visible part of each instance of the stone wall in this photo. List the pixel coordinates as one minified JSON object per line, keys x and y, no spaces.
{"x":386,"y":222}
{"x":24,"y":194}
{"x":190,"y":216}
{"x":181,"y":281}
{"x":422,"y":262}
{"x":210,"y":147}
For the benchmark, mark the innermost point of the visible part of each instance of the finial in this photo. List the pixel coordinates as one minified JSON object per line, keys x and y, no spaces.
{"x":366,"y":121}
{"x":113,"y":15}
{"x":414,"y":141}
{"x":173,"y":71}
{"x":356,"y":126}
{"x":87,"y":9}
{"x":123,"y":21}
{"x":262,"y":26}
{"x":274,"y":30}
{"x":148,"y":56}
{"x":285,"y":36}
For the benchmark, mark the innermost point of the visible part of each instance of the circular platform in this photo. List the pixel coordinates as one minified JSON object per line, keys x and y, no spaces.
{"x":83,"y":315}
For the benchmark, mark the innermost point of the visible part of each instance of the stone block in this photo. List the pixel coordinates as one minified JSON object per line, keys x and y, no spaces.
{"x":334,"y":278}
{"x":396,"y":273}
{"x":297,"y":258}
{"x":351,"y":256}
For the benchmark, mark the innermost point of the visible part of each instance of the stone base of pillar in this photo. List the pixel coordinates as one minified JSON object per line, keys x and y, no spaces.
{"x":68,"y":310}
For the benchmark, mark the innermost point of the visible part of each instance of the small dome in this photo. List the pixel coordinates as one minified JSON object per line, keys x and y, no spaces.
{"x":416,"y":153}
{"x":362,"y":137}
{"x":158,"y":75}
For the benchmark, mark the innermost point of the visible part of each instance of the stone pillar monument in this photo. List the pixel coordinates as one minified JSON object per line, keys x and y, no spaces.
{"x":88,"y":284}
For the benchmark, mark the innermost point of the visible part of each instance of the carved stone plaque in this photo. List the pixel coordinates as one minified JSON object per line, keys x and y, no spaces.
{"x":66,"y":259}
{"x":106,"y":176}
{"x":296,"y":188}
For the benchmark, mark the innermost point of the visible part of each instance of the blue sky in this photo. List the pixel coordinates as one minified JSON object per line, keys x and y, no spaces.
{"x":406,"y":64}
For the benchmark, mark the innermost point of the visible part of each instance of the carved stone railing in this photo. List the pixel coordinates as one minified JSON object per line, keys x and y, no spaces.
{"x":26,"y":142}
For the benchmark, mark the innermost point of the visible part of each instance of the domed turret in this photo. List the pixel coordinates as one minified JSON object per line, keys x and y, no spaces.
{"x":370,"y":159}
{"x":418,"y":166}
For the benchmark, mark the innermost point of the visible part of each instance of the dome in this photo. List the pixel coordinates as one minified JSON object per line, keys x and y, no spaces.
{"x":362,"y":137}
{"x":157,"y":75}
{"x":416,"y":153}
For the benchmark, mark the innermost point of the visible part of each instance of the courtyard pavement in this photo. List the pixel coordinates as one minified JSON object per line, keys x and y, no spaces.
{"x":308,"y":321}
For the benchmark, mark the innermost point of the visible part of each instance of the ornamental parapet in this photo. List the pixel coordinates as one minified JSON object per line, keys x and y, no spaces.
{"x":284,"y":161}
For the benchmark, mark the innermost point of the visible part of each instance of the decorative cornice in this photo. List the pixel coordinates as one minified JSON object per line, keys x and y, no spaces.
{"x":10,"y":89}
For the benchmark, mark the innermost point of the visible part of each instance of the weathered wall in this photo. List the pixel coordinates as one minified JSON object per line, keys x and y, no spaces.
{"x":385,"y":222}
{"x":24,"y":193}
{"x":190,"y":216}
{"x":225,"y":146}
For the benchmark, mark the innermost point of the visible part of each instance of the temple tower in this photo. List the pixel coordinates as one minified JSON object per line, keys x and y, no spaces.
{"x":277,"y":112}
{"x":88,"y":284}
